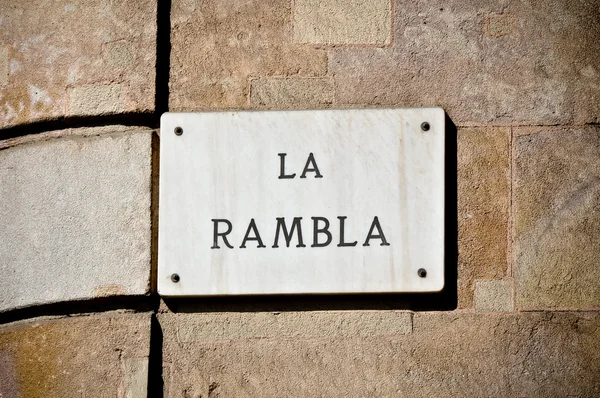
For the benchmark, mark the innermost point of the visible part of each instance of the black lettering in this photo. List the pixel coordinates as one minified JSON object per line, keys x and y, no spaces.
{"x":317,"y":231}
{"x":288,"y":235}
{"x":342,"y":243}
{"x":375,"y":224}
{"x":282,"y":174}
{"x":256,"y":237}
{"x":315,"y":168}
{"x":216,"y":233}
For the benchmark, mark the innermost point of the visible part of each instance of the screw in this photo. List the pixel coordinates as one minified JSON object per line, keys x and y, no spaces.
{"x":425,"y":126}
{"x":175,"y":278}
{"x":178,"y":130}
{"x":422,"y":272}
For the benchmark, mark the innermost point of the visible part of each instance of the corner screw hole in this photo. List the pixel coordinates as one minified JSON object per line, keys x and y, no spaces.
{"x":425,"y":126}
{"x":422,"y":272}
{"x":178,"y":130}
{"x":175,"y":278}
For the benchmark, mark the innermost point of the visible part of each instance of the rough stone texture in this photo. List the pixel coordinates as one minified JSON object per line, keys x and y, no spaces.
{"x":99,"y":100}
{"x":85,"y":356}
{"x":56,"y":46}
{"x":483,"y":202}
{"x":447,"y":355}
{"x":3,"y":65}
{"x":498,"y":62}
{"x":499,"y":25}
{"x":557,"y":218}
{"x":75,"y":211}
{"x":119,"y":54}
{"x":69,"y":132}
{"x":75,"y":216}
{"x":9,"y":382}
{"x":135,"y":377}
{"x":494,"y":296}
{"x":217,"y":46}
{"x":292,"y":91}
{"x":342,"y":22}
{"x":264,"y":325}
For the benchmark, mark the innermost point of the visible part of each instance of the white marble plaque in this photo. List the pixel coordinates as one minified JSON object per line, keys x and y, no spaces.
{"x":291,"y":202}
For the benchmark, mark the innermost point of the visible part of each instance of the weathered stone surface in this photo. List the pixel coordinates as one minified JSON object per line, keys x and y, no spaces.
{"x":73,"y":357}
{"x":494,"y":296}
{"x":483,"y":200}
{"x":499,"y":62}
{"x":557,"y":218}
{"x":287,"y":325}
{"x":57,"y":47}
{"x":498,"y":25}
{"x":218,"y":46}
{"x":447,"y":355}
{"x":3,"y":65}
{"x":135,"y":377}
{"x":292,"y":91}
{"x":119,"y":54}
{"x":342,"y":22}
{"x":69,"y":132}
{"x":99,"y":100}
{"x":9,"y":382}
{"x":75,"y":216}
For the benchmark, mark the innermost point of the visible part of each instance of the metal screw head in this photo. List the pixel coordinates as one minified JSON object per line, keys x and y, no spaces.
{"x":422,"y":272}
{"x":175,"y":278}
{"x":178,"y":130}
{"x":425,"y":126}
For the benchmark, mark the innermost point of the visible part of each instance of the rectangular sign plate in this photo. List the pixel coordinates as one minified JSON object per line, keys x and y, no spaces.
{"x":292,"y":202}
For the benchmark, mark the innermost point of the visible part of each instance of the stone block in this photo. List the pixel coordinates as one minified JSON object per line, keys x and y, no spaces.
{"x":76,"y":219}
{"x":498,"y":62}
{"x":557,"y":218}
{"x":78,"y":356}
{"x":483,"y":203}
{"x":446,"y":355}
{"x":494,"y":296}
{"x":342,"y":22}
{"x":217,"y":46}
{"x":57,"y":47}
{"x":282,"y":91}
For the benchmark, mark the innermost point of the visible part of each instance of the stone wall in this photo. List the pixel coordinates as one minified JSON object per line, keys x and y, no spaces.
{"x":82,"y":87}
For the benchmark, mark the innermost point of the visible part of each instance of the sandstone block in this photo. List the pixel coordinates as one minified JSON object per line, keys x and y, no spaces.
{"x":60,"y":46}
{"x":483,"y":202}
{"x":446,"y":355}
{"x":79,"y":356}
{"x":292,"y":91}
{"x":557,"y":218}
{"x":342,"y":22}
{"x":76,"y":219}
{"x":494,"y":296}
{"x":217,"y":46}
{"x":529,"y":64}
